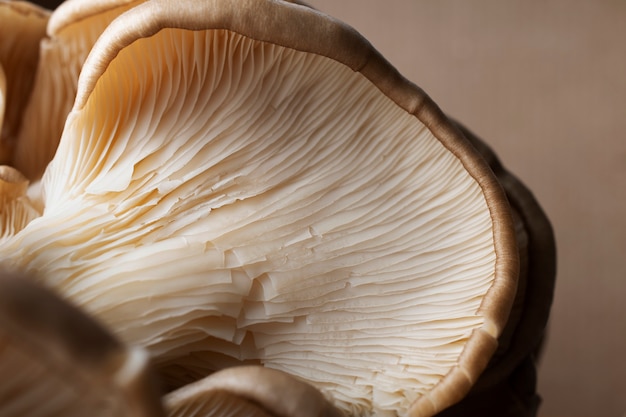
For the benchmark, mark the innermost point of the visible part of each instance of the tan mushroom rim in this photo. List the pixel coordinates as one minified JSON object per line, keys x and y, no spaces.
{"x":306,"y":30}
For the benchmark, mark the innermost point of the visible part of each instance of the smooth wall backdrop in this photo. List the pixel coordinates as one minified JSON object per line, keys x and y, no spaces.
{"x":544,"y":82}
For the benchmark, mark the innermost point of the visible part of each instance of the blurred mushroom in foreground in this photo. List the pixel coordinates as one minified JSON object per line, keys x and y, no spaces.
{"x":57,"y":361}
{"x":62,"y":363}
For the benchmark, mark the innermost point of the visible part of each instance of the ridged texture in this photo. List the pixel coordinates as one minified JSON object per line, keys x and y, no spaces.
{"x":16,"y":208}
{"x":250,"y":391}
{"x":243,"y":193}
{"x":22,"y":26}
{"x":3,"y":94}
{"x":15,"y":214}
{"x":61,"y":57}
{"x":217,"y":404}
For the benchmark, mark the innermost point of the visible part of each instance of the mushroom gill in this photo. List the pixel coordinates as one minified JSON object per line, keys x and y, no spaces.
{"x":251,"y":182}
{"x":23,"y":26}
{"x":43,"y":55}
{"x":16,"y":207}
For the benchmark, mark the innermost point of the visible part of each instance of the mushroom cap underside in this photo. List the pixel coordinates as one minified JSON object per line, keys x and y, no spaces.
{"x":264,"y":186}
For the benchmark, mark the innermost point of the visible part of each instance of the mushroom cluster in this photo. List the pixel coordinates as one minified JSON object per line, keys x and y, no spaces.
{"x":248,"y":184}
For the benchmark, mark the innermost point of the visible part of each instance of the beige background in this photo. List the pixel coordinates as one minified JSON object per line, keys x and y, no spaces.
{"x":544,"y":82}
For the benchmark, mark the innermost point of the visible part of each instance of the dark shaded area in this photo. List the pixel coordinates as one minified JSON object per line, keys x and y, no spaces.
{"x":48,"y":4}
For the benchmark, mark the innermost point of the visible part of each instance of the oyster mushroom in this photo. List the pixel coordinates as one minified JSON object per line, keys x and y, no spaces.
{"x":252,"y":391}
{"x":23,"y":26}
{"x":250,"y":182}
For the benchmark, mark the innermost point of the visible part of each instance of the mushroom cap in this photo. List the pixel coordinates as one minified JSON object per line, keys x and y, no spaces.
{"x":57,"y":361}
{"x":251,"y":391}
{"x":510,"y":376}
{"x":250,"y":181}
{"x":16,"y":207}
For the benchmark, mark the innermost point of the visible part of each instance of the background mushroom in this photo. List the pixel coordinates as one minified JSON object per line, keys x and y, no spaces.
{"x":263,"y":187}
{"x":23,"y":26}
{"x":42,"y":56}
{"x":252,"y":391}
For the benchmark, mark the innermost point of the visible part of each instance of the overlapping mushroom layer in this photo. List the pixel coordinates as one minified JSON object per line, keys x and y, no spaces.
{"x":218,"y":194}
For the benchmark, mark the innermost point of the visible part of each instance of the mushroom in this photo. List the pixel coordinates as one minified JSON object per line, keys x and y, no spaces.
{"x":43,"y":56}
{"x":65,"y":363}
{"x":250,"y":182}
{"x":252,"y":391}
{"x":509,"y":381}
{"x":55,"y":360}
{"x":23,"y":26}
